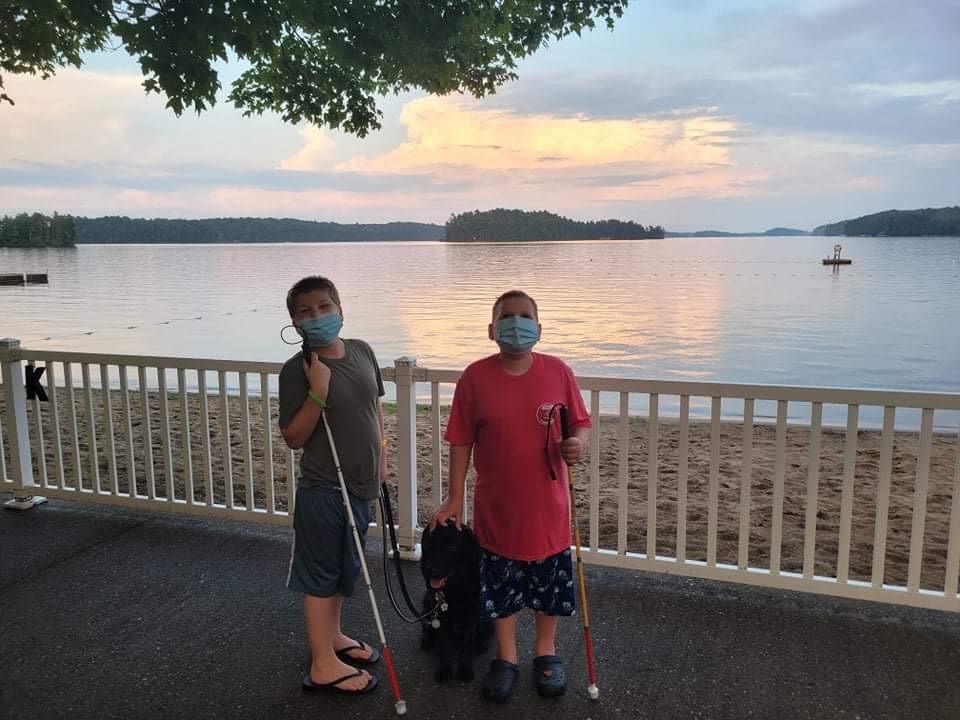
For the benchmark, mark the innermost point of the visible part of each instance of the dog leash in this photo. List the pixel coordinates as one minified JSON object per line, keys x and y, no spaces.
{"x":440,"y":603}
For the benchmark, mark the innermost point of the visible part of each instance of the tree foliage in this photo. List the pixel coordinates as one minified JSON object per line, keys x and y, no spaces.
{"x":899,"y":223}
{"x":36,"y":230}
{"x":114,"y":229}
{"x":507,"y":225}
{"x":942,"y":221}
{"x":319,"y":61}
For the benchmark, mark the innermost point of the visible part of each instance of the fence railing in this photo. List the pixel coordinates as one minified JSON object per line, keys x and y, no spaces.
{"x":784,"y":501}
{"x":147,"y":432}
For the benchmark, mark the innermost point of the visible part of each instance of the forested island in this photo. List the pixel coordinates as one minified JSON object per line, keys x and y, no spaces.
{"x":37,"y":230}
{"x":898,"y":223}
{"x":522,"y":225}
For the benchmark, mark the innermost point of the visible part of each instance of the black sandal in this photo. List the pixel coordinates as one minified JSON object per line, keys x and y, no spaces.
{"x":499,"y":681}
{"x":344,"y":656}
{"x":311,"y":686}
{"x":549,"y":676}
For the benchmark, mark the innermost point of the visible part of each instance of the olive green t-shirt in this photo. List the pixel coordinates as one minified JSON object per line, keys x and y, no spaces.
{"x":355,"y":386}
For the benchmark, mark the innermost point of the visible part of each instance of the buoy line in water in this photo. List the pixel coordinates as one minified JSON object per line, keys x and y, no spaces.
{"x":139,"y":325}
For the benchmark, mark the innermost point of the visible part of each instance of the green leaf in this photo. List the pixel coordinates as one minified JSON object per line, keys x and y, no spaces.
{"x":320,"y":61}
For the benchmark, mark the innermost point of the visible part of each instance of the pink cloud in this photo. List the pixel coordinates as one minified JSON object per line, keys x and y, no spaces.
{"x":454,"y":139}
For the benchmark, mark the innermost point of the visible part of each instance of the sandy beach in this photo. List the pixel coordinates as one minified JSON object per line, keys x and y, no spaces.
{"x":943,"y":461}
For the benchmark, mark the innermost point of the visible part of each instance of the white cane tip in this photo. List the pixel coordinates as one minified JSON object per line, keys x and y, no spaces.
{"x":593,"y":691}
{"x":401,"y":707}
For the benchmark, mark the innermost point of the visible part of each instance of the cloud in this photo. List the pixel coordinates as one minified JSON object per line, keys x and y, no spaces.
{"x":883,"y":113}
{"x":92,"y":106}
{"x":883,"y":71}
{"x":451,"y":137}
{"x":326,"y":204}
{"x":176,"y":177}
{"x":218,"y":201}
{"x":315,"y":154}
{"x":83,"y":116}
{"x":861,"y":41}
{"x":446,"y":130}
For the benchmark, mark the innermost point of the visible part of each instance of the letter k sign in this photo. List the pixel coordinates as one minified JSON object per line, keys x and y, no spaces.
{"x":34,"y":388}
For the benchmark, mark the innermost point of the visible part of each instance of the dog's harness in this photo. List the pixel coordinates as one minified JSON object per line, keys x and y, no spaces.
{"x":440,"y":602}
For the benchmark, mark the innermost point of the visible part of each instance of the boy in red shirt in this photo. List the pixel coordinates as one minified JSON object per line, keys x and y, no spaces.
{"x":505,"y":411}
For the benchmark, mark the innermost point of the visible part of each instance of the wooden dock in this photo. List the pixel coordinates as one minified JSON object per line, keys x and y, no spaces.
{"x":24,"y":279}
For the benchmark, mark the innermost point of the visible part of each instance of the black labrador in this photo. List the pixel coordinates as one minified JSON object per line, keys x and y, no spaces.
{"x":450,"y":563}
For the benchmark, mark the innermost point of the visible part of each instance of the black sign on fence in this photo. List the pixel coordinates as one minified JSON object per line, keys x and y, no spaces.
{"x":34,"y":388}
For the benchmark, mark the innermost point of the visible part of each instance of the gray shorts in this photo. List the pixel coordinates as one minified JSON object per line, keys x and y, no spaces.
{"x":323,"y":559}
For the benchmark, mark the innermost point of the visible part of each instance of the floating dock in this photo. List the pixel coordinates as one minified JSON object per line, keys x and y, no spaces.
{"x":24,"y":279}
{"x":836,"y":259}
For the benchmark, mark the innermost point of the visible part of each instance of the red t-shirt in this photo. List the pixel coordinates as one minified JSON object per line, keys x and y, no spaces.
{"x":519,"y":511}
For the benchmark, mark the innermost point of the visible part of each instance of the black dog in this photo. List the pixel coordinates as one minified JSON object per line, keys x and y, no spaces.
{"x":450,"y":564}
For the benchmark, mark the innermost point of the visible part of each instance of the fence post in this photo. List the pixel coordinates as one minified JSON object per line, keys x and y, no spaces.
{"x":406,"y":457}
{"x":15,"y":424}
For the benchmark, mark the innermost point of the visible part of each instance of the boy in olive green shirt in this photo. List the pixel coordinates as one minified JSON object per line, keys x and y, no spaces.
{"x":342,"y":380}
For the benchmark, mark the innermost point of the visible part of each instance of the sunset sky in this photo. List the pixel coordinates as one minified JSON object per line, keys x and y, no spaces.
{"x":737,"y":115}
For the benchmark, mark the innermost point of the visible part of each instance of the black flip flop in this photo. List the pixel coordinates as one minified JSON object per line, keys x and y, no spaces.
{"x":549,"y":676}
{"x":343,"y":654}
{"x":334,"y":686}
{"x":499,"y":681}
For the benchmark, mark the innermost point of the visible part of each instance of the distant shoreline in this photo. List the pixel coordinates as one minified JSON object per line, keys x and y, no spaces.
{"x":115,"y":243}
{"x":500,"y":225}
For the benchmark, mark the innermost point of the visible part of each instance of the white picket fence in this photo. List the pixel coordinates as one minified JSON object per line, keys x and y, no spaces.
{"x":203,"y":440}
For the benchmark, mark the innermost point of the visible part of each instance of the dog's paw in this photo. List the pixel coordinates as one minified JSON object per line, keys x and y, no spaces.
{"x":465,"y":673}
{"x":442,"y":673}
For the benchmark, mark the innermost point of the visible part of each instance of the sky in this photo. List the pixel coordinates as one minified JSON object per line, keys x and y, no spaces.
{"x":738,"y":115}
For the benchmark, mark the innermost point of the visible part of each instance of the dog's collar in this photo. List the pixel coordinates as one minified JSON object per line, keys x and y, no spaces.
{"x":440,"y":605}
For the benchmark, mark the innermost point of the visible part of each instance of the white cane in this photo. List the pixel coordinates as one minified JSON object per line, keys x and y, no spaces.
{"x":400,"y":705}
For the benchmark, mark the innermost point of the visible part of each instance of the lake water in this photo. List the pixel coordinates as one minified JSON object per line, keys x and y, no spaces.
{"x":743,"y":310}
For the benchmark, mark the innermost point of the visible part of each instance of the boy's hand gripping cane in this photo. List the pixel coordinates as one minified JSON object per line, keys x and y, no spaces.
{"x":400,"y":705}
{"x":592,"y":690}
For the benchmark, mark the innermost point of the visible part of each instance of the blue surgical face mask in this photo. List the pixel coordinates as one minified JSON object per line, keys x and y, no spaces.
{"x":517,"y":334}
{"x":321,"y":330}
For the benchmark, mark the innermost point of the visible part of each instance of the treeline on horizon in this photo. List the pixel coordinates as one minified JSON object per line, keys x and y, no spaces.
{"x":116,"y":229}
{"x":522,"y":225}
{"x":41,"y":230}
{"x":898,"y":223}
{"x":37,"y":230}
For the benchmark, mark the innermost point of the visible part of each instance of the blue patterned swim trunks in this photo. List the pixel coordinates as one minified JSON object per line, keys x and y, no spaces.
{"x":507,"y":586}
